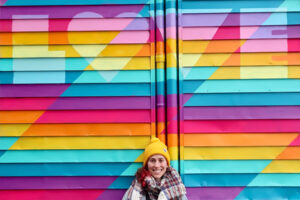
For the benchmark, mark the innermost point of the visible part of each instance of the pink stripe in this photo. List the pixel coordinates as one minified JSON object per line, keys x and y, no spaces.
{"x":133,"y":37}
{"x":95,"y":116}
{"x":5,"y":25}
{"x":50,"y":194}
{"x":231,"y":126}
{"x":294,"y":45}
{"x":237,"y":32}
{"x":34,"y":25}
{"x":272,"y":45}
{"x":205,"y":33}
{"x":30,"y":25}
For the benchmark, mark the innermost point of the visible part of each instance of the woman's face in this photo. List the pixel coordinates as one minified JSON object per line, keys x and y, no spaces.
{"x":157,"y":165}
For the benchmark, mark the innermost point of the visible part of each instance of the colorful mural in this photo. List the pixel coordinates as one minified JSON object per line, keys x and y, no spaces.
{"x":239,"y":79}
{"x":84,"y":84}
{"x":77,"y":92}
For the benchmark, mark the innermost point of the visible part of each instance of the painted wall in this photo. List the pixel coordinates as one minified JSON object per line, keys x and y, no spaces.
{"x":77,"y":97}
{"x":84,"y":84}
{"x":240,"y":87}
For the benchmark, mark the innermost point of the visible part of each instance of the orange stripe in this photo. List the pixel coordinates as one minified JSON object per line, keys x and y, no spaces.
{"x":290,"y":153}
{"x":213,"y":46}
{"x":240,"y":139}
{"x":88,"y":129}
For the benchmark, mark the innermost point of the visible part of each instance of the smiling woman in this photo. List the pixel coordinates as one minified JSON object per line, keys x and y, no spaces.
{"x":156,"y":180}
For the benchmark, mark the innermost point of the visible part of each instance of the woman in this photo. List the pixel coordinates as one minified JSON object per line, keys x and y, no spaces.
{"x":156,"y":180}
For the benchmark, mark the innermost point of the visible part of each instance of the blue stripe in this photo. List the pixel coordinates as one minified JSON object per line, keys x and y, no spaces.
{"x":6,"y":78}
{"x":71,"y":169}
{"x":269,"y":193}
{"x":240,"y":6}
{"x":238,"y":180}
{"x":243,"y":99}
{"x":122,"y":182}
{"x":142,"y":89}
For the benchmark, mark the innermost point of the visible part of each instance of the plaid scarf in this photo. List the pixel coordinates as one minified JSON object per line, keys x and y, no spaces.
{"x":170,"y":187}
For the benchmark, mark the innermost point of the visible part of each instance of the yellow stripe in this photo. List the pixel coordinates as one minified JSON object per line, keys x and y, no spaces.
{"x":13,"y":129}
{"x":45,"y":51}
{"x":81,"y":143}
{"x":134,"y":63}
{"x":231,"y":153}
{"x":283,"y":166}
{"x":254,"y":72}
{"x":242,"y":59}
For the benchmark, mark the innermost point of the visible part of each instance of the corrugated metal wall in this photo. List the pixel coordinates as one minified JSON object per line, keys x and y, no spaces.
{"x":83,"y":85}
{"x":77,"y":97}
{"x":240,"y":82}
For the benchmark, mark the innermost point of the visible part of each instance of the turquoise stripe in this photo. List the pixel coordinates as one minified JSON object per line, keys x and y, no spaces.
{"x":243,"y":99}
{"x":46,"y":64}
{"x":232,"y":86}
{"x":281,"y":180}
{"x":142,"y":89}
{"x":276,"y":193}
{"x":282,"y":19}
{"x":71,"y":169}
{"x":68,"y":156}
{"x":198,"y":73}
{"x":6,"y":64}
{"x":132,"y":76}
{"x":224,"y":166}
{"x":71,"y":2}
{"x":237,"y":180}
{"x":215,"y":6}
{"x":37,"y":77}
{"x":7,"y":142}
{"x":40,"y":64}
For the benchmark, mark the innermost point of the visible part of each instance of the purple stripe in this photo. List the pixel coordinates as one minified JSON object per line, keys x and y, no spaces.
{"x":111,"y":194}
{"x":160,"y":100}
{"x":225,"y":19}
{"x":104,"y":11}
{"x":138,"y":24}
{"x":32,"y":90}
{"x":214,"y":193}
{"x":172,"y":100}
{"x":94,"y":182}
{"x":73,"y":103}
{"x":266,"y":112}
{"x":277,"y":32}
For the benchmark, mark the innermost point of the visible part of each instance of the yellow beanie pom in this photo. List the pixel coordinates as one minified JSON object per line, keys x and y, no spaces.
{"x":156,"y":147}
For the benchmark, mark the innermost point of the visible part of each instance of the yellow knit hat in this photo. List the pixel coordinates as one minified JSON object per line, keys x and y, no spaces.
{"x":156,"y":147}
